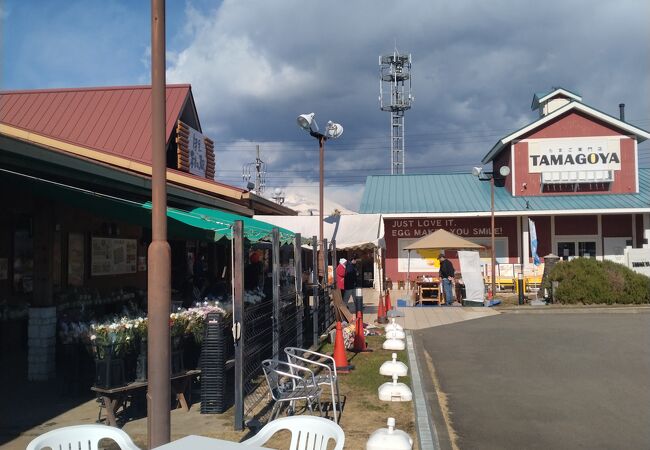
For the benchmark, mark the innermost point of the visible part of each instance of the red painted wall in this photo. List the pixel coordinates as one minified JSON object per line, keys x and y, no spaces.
{"x":572,"y":225}
{"x":619,"y":225}
{"x":573,"y":125}
{"x":467,"y":227}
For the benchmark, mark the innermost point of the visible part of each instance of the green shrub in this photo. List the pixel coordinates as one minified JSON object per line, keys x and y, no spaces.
{"x":585,"y":280}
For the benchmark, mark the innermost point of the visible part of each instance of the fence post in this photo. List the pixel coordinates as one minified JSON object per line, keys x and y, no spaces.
{"x":315,"y":289}
{"x":275,"y":255}
{"x":237,"y":318}
{"x":297,"y":263}
{"x":326,"y":284}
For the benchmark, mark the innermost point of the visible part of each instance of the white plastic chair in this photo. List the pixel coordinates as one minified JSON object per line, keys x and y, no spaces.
{"x":307,"y":433}
{"x":85,"y":437}
{"x":326,"y":374}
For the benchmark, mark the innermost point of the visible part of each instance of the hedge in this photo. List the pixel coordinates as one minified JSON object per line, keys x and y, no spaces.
{"x":586,"y":280}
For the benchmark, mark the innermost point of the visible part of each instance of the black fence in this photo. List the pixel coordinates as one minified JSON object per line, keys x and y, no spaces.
{"x":295,"y":316}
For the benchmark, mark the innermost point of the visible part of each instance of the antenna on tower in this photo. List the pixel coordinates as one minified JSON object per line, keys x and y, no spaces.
{"x":257,"y":169}
{"x":395,"y":96}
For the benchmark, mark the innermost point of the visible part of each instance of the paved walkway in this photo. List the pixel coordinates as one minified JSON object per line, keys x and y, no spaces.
{"x":420,"y":317}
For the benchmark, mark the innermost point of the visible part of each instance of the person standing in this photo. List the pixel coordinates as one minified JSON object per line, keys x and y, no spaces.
{"x":350,"y":283}
{"x":446,"y":274}
{"x":340,"y":276}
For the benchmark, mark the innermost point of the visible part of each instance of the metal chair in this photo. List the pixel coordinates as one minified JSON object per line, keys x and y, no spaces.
{"x":324,"y":373}
{"x":86,"y":437}
{"x":290,"y":383}
{"x":307,"y":433}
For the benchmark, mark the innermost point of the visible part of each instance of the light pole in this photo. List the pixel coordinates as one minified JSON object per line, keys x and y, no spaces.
{"x":159,"y":252}
{"x":333,"y":131}
{"x":478,"y":172}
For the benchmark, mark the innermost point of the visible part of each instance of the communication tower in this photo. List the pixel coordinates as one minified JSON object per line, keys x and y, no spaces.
{"x":395,"y":96}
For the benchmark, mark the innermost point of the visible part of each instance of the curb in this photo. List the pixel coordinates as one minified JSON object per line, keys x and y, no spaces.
{"x":427,"y":434}
{"x":549,"y":309}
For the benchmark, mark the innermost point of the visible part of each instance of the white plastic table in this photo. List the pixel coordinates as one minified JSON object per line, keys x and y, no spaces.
{"x":205,"y":443}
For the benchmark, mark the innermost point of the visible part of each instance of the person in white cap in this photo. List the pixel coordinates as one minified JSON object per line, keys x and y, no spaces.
{"x":340,"y":275}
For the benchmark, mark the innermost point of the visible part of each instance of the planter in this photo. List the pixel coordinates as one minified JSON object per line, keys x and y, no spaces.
{"x":177,"y":360}
{"x":191,"y":352}
{"x":109,"y":368}
{"x":141,"y":361}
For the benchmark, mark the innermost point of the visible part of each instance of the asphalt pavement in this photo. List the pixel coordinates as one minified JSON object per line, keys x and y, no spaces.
{"x":542,"y":381}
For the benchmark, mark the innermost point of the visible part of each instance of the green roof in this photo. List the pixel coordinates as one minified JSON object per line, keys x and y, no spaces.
{"x":464,"y":193}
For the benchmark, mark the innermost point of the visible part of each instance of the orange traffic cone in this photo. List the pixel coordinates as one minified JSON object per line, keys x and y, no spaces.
{"x":381,"y":311}
{"x":388,"y":304}
{"x":359,"y":337}
{"x":340,"y":358}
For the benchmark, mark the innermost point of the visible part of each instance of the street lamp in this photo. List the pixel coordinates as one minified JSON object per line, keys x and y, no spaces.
{"x":278,"y":196}
{"x":478,"y":172}
{"x":333,"y":131}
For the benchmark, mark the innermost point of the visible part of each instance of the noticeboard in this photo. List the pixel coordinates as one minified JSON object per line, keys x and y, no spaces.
{"x":111,"y":256}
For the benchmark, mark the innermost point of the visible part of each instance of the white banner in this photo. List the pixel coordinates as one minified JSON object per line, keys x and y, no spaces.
{"x":558,"y":155}
{"x":198,"y":158}
{"x":470,"y":269}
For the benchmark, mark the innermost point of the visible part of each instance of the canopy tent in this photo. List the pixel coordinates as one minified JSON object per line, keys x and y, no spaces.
{"x":200,"y":223}
{"x":353,"y":231}
{"x":438,"y":240}
{"x":350,"y":231}
{"x":441,"y":239}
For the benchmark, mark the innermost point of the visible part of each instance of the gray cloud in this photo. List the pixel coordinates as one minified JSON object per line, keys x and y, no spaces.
{"x":255,"y":65}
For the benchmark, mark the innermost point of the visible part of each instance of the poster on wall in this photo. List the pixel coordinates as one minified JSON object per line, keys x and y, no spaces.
{"x":75,"y":259}
{"x":111,"y":256}
{"x":426,"y":260}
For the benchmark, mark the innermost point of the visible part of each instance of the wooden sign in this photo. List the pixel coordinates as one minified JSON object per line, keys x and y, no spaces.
{"x":195,"y":152}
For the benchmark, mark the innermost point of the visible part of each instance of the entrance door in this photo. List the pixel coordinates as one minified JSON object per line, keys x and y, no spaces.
{"x":566,"y":250}
{"x":569,"y":249}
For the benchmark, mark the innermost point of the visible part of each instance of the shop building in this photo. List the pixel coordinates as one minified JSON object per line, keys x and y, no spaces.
{"x":75,"y":170}
{"x":573,"y":172}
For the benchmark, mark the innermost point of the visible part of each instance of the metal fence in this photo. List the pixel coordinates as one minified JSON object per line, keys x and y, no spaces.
{"x":262,"y":330}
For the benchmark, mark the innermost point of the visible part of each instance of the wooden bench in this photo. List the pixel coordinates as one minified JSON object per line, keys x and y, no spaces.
{"x":115,"y":398}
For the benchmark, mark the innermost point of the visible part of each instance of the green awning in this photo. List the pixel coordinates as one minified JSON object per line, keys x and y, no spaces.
{"x":254,"y":230}
{"x":201,"y":223}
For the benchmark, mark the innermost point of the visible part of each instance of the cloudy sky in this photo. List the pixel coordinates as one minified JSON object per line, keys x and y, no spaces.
{"x":254,"y":65}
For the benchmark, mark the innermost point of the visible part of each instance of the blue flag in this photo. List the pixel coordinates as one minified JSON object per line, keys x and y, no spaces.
{"x":533,"y":242}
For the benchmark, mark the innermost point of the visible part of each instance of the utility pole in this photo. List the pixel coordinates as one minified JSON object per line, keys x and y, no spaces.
{"x":257,"y":169}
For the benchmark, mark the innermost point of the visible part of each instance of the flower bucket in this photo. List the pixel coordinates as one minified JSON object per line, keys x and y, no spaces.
{"x":109,"y":368}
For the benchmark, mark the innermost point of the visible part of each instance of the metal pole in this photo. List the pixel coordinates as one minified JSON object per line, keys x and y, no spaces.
{"x":297,"y":261}
{"x":238,"y":319}
{"x":275,"y":258}
{"x":159,"y":252}
{"x":315,"y":290}
{"x":326,"y":310}
{"x":494,"y":281}
{"x":321,"y":153}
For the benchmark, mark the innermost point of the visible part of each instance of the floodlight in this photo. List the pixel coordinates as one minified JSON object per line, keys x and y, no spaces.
{"x":306,"y":122}
{"x":477,"y":171}
{"x":504,"y":171}
{"x":333,"y":130}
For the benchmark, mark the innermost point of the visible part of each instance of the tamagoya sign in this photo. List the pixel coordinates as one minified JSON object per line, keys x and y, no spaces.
{"x":552,"y":155}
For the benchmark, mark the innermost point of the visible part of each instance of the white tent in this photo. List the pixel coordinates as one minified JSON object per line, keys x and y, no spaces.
{"x":351,"y":231}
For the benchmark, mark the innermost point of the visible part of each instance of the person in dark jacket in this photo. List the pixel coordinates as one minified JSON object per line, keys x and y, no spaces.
{"x":350,"y":283}
{"x":446,"y":274}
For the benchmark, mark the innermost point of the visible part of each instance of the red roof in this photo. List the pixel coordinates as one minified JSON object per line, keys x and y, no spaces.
{"x":115,"y":120}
